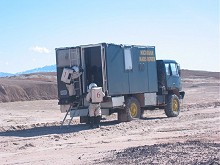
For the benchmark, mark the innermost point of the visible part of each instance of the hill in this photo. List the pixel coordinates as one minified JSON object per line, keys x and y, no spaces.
{"x":37,"y":86}
{"x":3,"y":74}
{"x":50,"y":68}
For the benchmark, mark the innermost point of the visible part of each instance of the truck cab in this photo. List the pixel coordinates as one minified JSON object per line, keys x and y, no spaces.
{"x":169,"y":86}
{"x":169,"y":77}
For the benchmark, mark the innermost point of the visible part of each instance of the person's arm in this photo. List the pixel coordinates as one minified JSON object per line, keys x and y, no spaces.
{"x":88,"y":96}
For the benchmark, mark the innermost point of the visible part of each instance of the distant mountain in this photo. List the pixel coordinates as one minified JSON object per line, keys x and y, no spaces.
{"x":2,"y":74}
{"x":51,"y":68}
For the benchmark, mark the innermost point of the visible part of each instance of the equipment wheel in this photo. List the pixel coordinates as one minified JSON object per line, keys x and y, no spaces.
{"x":172,"y":108}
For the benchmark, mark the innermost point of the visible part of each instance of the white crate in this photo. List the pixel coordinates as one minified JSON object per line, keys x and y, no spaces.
{"x":66,"y":75}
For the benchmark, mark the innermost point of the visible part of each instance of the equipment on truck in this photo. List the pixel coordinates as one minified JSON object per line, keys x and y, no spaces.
{"x":130,"y":76}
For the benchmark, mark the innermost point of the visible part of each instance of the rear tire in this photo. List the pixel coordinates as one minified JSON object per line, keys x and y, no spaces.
{"x":132,"y":110}
{"x":172,"y":108}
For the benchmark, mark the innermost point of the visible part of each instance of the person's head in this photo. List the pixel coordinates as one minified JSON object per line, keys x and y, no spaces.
{"x":92,"y":85}
{"x":75,"y":69}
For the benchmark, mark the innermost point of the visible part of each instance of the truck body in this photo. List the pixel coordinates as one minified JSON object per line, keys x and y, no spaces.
{"x":130,"y":76}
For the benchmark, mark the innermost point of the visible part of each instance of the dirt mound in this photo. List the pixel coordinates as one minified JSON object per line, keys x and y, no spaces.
{"x":201,"y":153}
{"x":28,"y":87}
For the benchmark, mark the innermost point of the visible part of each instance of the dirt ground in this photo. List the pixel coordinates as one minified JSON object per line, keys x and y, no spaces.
{"x":30,"y":132}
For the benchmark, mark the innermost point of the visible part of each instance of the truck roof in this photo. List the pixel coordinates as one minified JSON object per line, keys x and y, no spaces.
{"x":168,"y":61}
{"x":102,"y":44}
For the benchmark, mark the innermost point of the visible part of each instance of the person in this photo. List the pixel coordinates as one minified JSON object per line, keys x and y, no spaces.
{"x":94,"y":106}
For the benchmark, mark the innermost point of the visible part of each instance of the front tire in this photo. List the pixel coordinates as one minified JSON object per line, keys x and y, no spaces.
{"x":172,"y":108}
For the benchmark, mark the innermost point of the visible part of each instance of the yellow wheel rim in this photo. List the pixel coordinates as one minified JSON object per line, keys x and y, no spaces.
{"x":133,"y":110}
{"x":175,"y":105}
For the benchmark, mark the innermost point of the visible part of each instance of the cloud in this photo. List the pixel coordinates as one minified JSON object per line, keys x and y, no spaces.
{"x":39,"y":49}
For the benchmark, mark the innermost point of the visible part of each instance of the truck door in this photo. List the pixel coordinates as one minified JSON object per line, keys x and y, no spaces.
{"x":117,"y":75}
{"x":66,"y":58}
{"x":172,"y":76}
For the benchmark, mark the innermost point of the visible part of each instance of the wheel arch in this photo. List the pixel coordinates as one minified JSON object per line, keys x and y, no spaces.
{"x":176,"y":92}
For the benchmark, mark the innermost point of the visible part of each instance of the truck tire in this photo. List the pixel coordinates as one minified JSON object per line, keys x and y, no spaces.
{"x":172,"y":108}
{"x":132,"y":110}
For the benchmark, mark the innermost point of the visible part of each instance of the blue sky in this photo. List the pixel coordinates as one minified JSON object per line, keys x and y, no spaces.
{"x":184,"y":30}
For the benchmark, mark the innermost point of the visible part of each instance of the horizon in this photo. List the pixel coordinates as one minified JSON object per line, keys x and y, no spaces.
{"x":22,"y":72}
{"x":185,"y":31}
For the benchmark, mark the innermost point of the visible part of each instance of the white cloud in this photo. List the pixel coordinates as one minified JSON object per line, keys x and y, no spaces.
{"x":40,"y":49}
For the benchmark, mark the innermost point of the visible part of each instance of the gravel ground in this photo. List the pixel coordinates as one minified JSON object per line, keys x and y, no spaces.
{"x":190,"y":152}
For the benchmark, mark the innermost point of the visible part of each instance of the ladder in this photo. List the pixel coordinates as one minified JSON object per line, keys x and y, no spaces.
{"x":74,"y":57}
{"x":71,"y":108}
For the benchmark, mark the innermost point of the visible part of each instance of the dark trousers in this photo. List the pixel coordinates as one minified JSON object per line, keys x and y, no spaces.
{"x":94,"y":121}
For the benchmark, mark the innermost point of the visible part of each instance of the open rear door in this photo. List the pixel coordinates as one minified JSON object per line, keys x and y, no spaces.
{"x":66,"y":58}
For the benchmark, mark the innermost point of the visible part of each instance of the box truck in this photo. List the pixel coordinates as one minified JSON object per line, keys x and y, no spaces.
{"x":129,"y":75}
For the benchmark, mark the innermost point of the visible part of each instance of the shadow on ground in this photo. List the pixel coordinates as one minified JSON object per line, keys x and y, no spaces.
{"x":48,"y":130}
{"x":153,"y":118}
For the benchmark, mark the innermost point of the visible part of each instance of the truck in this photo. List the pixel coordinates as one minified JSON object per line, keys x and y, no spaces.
{"x":129,"y":75}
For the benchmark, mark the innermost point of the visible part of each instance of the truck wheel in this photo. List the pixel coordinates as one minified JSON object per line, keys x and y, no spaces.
{"x":172,"y":109}
{"x":132,"y":110}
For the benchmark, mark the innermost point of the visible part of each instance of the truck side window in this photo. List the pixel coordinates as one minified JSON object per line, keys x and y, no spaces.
{"x":174,"y":69}
{"x":167,"y":66}
{"x":128,"y":60}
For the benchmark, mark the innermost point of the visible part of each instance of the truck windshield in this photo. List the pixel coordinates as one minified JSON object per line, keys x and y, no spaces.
{"x":167,"y":66}
{"x":174,"y":69}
